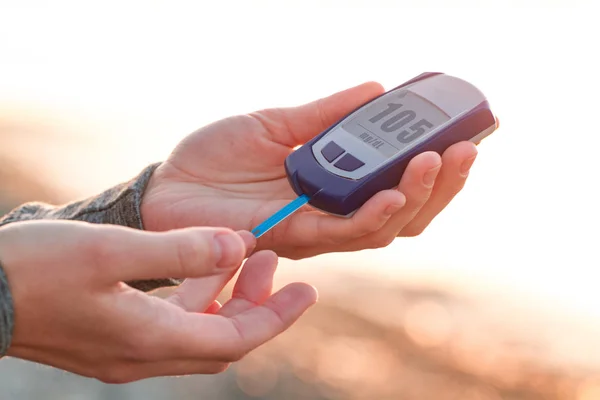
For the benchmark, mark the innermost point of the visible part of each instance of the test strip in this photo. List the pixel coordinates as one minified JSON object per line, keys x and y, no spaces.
{"x":280,"y":215}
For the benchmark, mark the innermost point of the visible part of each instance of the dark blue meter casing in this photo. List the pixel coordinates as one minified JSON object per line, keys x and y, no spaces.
{"x":368,"y":150}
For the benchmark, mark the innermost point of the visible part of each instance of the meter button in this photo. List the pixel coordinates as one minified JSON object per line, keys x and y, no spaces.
{"x":331,"y":151}
{"x":349,"y":163}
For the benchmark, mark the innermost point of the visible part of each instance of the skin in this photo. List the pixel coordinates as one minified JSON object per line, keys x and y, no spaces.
{"x":86,"y":320}
{"x":241,"y":181}
{"x":82,"y":318}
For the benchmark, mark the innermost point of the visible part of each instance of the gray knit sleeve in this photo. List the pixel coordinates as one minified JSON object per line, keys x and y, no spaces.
{"x":6,"y":314}
{"x":119,"y":205}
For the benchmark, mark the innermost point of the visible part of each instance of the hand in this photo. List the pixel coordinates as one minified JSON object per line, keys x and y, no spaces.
{"x":231,"y":173}
{"x":74,"y":312}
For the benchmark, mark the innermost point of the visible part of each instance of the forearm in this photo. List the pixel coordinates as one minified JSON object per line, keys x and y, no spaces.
{"x":119,"y":205}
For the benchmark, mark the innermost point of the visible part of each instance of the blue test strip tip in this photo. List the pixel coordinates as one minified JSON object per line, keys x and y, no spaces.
{"x":280,"y":215}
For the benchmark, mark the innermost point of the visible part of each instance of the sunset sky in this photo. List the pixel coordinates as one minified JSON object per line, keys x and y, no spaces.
{"x":146,"y":73}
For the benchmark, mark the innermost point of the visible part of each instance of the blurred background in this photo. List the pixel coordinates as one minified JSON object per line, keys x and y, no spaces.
{"x":498,"y":299}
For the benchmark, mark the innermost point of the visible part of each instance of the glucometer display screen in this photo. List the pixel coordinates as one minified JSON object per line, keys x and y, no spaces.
{"x":395,"y":121}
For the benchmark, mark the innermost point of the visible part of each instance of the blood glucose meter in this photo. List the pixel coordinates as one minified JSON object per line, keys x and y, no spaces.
{"x":368,"y":150}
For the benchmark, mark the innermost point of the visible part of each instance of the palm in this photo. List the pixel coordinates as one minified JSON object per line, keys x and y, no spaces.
{"x":227,"y":174}
{"x":231,"y":173}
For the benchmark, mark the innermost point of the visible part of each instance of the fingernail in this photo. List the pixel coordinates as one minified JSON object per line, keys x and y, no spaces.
{"x":466,"y":165}
{"x":227,"y":248}
{"x":429,"y":177}
{"x":393,"y":209}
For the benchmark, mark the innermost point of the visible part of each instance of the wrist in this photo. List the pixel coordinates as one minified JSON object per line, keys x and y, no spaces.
{"x":167,"y":191}
{"x":147,"y":207}
{"x":141,"y":187}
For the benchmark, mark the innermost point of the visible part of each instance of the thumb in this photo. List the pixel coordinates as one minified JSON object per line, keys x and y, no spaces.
{"x":308,"y":120}
{"x":127,"y":254}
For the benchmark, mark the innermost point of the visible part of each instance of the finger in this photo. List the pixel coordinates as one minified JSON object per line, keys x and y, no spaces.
{"x":417,"y":184}
{"x":198,"y":294}
{"x":183,"y":253}
{"x":456,"y":163}
{"x":219,"y":338}
{"x":254,"y":284}
{"x":213,"y":308}
{"x":385,"y":214}
{"x":308,"y":120}
{"x":195,"y":295}
{"x":317,"y":228}
{"x":261,"y":324}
